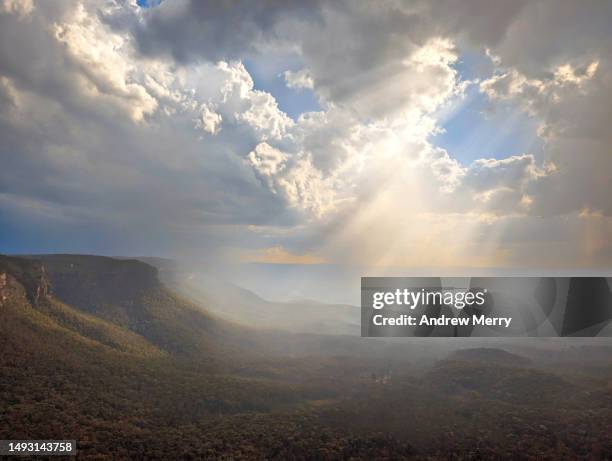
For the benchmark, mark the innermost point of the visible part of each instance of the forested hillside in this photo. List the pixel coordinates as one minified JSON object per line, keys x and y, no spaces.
{"x":98,"y":350}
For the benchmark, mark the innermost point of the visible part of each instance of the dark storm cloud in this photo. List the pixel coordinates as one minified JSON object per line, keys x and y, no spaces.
{"x":215,"y":30}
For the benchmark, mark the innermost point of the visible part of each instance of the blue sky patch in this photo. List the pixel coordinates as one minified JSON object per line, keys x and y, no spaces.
{"x":267,"y":75}
{"x":148,"y":3}
{"x":473,"y":128}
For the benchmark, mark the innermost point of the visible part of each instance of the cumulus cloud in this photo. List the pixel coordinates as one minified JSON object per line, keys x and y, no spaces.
{"x":103,"y":70}
{"x":571,"y":103}
{"x":299,"y":79}
{"x":509,"y":172}
{"x":210,"y":121}
{"x":188,"y":30}
{"x":149,"y":119}
{"x":256,"y":108}
{"x":21,"y":8}
{"x":267,"y":160}
{"x":536,"y":94}
{"x":102,"y":139}
{"x":298,"y":181}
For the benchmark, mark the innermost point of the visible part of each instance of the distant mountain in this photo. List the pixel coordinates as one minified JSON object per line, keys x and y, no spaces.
{"x":498,"y":374}
{"x":489,"y":355}
{"x":242,"y":306}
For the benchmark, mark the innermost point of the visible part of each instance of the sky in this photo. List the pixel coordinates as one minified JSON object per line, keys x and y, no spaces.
{"x":380,"y":134}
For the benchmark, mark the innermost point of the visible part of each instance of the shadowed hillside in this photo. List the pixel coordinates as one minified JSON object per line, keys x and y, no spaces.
{"x":128,"y":294}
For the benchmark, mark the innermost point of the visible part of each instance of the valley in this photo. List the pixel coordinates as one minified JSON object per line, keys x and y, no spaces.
{"x":102,"y":351}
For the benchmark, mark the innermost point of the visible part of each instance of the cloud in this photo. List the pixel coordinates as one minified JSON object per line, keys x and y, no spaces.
{"x":256,"y":108}
{"x":210,"y":121}
{"x":515,"y":171}
{"x":102,"y":71}
{"x":116,"y":119}
{"x":278,"y":255}
{"x":267,"y":160}
{"x":21,"y":8}
{"x":106,"y":138}
{"x":299,"y":183}
{"x":188,"y":30}
{"x":572,"y":104}
{"x":299,"y":79}
{"x":535,"y":94}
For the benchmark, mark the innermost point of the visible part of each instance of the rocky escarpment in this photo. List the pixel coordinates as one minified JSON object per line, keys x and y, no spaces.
{"x":23,"y":280}
{"x":9,"y":288}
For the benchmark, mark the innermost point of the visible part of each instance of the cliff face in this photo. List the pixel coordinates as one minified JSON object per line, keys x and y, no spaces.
{"x":37,"y":286}
{"x":117,"y":290}
{"x":85,"y":281}
{"x":10,"y":289}
{"x":22,"y":279}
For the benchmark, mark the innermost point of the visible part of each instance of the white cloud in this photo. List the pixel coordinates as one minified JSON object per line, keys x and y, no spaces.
{"x":300,"y":184}
{"x":267,"y":160}
{"x":210,"y":121}
{"x":104,"y":64}
{"x":21,"y":8}
{"x":508,"y":172}
{"x":299,"y":79}
{"x":264,"y":116}
{"x":256,"y":108}
{"x":535,"y":94}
